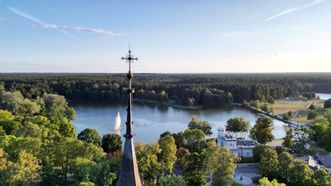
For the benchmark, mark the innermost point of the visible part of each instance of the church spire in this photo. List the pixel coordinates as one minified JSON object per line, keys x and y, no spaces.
{"x":129,"y":175}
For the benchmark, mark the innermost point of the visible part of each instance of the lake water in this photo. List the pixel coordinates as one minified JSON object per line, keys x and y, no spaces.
{"x":323,"y":96}
{"x":150,"y":121}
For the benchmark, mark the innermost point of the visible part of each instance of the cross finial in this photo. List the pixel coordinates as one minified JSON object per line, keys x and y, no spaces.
{"x":130,"y":58}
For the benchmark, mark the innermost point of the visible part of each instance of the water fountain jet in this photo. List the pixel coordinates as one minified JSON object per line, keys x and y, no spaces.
{"x":117,"y":125}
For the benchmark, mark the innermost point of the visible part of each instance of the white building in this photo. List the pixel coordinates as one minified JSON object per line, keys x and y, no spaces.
{"x":242,"y":147}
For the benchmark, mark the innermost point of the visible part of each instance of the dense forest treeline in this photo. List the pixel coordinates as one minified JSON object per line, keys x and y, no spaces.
{"x":178,"y":89}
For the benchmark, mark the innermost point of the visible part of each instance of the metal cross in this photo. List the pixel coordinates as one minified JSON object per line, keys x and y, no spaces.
{"x":129,"y":58}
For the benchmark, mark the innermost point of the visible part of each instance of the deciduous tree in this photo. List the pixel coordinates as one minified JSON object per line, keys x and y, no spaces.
{"x":288,"y":139}
{"x":8,"y":122}
{"x":322,"y":177}
{"x":181,"y":156}
{"x":262,"y":130}
{"x":319,"y":130}
{"x":11,"y":101}
{"x":168,"y":152}
{"x":265,"y":182}
{"x":63,"y":153}
{"x":300,"y":174}
{"x":269,"y":163}
{"x":196,"y":123}
{"x":237,"y":124}
{"x":106,"y":172}
{"x":195,"y":169}
{"x":194,"y":140}
{"x":300,"y":139}
{"x":82,"y":169}
{"x":285,"y":160}
{"x":221,"y":163}
{"x":179,"y":139}
{"x":24,"y":171}
{"x":111,"y":143}
{"x":172,"y":180}
{"x":257,"y":152}
{"x":90,"y":136}
{"x":13,"y":145}
{"x":148,"y":163}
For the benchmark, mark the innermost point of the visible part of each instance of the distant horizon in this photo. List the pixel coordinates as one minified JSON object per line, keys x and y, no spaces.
{"x":188,"y":73}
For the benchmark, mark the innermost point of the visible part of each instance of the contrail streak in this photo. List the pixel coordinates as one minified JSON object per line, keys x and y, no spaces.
{"x":63,"y":29}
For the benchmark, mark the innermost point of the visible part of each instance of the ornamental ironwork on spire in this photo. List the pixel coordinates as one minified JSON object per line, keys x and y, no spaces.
{"x":129,"y":175}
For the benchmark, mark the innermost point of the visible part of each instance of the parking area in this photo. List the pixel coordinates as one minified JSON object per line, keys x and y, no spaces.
{"x":245,"y":172}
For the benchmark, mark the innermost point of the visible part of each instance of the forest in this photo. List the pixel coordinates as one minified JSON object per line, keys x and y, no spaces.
{"x":175,"y":89}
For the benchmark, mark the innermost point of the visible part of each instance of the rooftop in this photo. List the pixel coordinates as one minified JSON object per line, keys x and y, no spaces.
{"x":246,"y":143}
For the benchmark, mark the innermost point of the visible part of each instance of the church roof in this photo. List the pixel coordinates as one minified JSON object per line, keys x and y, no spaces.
{"x":229,"y":137}
{"x":129,"y":175}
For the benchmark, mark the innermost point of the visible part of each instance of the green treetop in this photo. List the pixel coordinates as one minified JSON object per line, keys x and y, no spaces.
{"x":90,"y":136}
{"x":262,"y":130}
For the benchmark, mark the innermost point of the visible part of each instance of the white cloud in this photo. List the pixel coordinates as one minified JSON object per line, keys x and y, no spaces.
{"x":63,"y":29}
{"x":293,"y":9}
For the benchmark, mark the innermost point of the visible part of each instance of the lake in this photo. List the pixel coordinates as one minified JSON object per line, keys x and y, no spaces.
{"x":323,"y":96}
{"x":150,"y":121}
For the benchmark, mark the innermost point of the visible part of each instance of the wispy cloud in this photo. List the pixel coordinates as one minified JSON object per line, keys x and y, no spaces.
{"x":293,"y":9}
{"x":61,"y":28}
{"x":79,"y":29}
{"x":2,"y":19}
{"x":282,"y":13}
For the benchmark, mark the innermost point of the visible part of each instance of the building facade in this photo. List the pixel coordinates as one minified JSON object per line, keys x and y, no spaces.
{"x":241,"y":146}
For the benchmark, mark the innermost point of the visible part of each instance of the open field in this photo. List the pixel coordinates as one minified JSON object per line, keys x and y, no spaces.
{"x":283,"y":106}
{"x":299,"y":109}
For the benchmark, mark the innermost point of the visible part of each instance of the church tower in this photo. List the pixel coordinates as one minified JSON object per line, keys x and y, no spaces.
{"x":129,"y":175}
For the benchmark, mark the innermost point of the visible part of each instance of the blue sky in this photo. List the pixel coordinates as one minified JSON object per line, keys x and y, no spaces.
{"x":168,"y":36}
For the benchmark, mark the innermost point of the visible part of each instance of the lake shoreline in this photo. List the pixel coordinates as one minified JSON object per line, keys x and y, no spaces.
{"x":153,"y":103}
{"x":166,"y":104}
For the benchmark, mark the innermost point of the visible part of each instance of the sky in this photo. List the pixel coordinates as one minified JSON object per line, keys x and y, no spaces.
{"x":186,"y":36}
